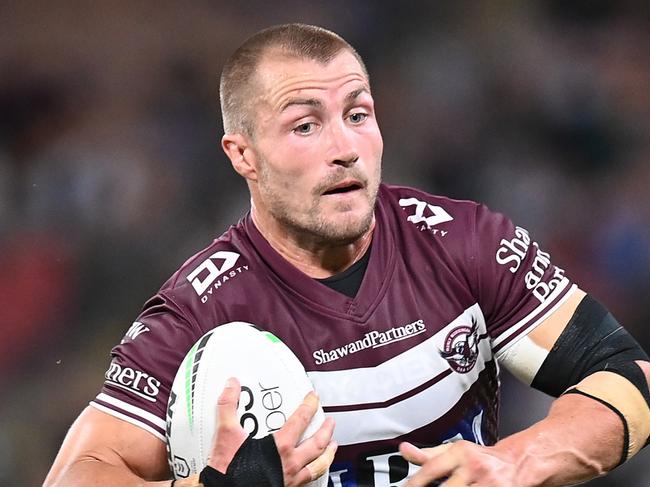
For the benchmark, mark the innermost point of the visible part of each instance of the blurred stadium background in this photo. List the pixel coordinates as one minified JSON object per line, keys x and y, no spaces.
{"x":111,"y":172}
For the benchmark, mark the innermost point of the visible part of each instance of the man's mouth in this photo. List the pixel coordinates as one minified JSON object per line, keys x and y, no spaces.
{"x":344,"y":187}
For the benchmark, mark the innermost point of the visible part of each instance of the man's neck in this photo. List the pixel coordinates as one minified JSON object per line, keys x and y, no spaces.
{"x":315,"y":259}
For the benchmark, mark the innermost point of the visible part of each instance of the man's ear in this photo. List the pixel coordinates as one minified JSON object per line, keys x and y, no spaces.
{"x":241,"y":154}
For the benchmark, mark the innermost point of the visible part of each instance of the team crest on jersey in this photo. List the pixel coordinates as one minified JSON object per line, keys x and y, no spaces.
{"x":461,"y":347}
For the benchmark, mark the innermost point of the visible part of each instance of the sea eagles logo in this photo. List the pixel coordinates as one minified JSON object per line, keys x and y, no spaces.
{"x":461,"y":347}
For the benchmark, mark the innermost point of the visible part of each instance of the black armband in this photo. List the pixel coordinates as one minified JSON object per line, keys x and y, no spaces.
{"x":257,"y":462}
{"x":592,"y":341}
{"x":595,"y":357}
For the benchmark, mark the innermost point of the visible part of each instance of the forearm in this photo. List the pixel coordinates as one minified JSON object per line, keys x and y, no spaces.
{"x":94,"y":472}
{"x":579,"y":439}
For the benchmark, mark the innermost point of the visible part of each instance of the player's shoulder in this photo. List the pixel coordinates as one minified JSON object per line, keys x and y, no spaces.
{"x":396,"y":193}
{"x":201,"y":269}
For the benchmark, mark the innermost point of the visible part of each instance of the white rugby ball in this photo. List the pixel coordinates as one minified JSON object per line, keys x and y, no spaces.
{"x":273,"y":381}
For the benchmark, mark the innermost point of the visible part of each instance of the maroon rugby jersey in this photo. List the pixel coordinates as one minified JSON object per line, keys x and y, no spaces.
{"x":449,"y":286}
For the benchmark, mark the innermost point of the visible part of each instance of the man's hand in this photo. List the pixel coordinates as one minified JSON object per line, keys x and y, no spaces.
{"x":463,"y":462}
{"x":229,"y":435}
{"x":301,"y":463}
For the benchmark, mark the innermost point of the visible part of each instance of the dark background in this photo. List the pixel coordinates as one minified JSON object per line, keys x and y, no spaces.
{"x":111,"y":173}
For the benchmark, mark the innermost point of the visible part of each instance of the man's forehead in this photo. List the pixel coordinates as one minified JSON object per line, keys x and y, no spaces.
{"x":280,"y":75}
{"x":278,"y":63}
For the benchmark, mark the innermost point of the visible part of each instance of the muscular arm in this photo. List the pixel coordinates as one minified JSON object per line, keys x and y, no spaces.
{"x":580,"y":438}
{"x":101,"y":450}
{"x":564,"y":447}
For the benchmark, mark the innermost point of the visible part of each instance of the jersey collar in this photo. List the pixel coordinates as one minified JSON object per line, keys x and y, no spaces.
{"x":317,"y":294}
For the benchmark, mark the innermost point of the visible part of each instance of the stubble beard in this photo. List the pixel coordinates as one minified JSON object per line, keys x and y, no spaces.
{"x":309,"y":225}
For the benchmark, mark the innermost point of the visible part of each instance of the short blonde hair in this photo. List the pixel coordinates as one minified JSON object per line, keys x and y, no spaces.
{"x":301,"y":41}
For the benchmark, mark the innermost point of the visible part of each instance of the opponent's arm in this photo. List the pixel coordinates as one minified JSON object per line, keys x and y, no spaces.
{"x":601,"y":420}
{"x":101,"y":450}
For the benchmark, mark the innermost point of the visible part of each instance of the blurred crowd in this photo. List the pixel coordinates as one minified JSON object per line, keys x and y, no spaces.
{"x":111,"y":172}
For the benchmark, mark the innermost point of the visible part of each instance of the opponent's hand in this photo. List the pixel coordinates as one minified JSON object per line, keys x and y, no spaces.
{"x":464,"y":463}
{"x":300,"y":463}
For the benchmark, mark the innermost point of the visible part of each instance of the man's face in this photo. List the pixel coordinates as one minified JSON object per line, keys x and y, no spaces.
{"x":318,"y":148}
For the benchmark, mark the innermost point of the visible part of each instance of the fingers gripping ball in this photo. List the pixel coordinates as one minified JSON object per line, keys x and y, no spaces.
{"x":273,"y":384}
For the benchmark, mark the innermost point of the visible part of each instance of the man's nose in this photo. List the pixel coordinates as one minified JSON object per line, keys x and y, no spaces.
{"x":347,"y":160}
{"x":343,"y":151}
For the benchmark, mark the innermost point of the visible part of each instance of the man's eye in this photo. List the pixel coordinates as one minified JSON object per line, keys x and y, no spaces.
{"x":358,"y":117}
{"x":304,"y":128}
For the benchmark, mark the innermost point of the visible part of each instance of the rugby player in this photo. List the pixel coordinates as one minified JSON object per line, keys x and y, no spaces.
{"x":399,"y":304}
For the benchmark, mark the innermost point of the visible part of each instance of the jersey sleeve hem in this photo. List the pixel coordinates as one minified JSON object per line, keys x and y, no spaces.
{"x":532,"y":320}
{"x":131,"y":414}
